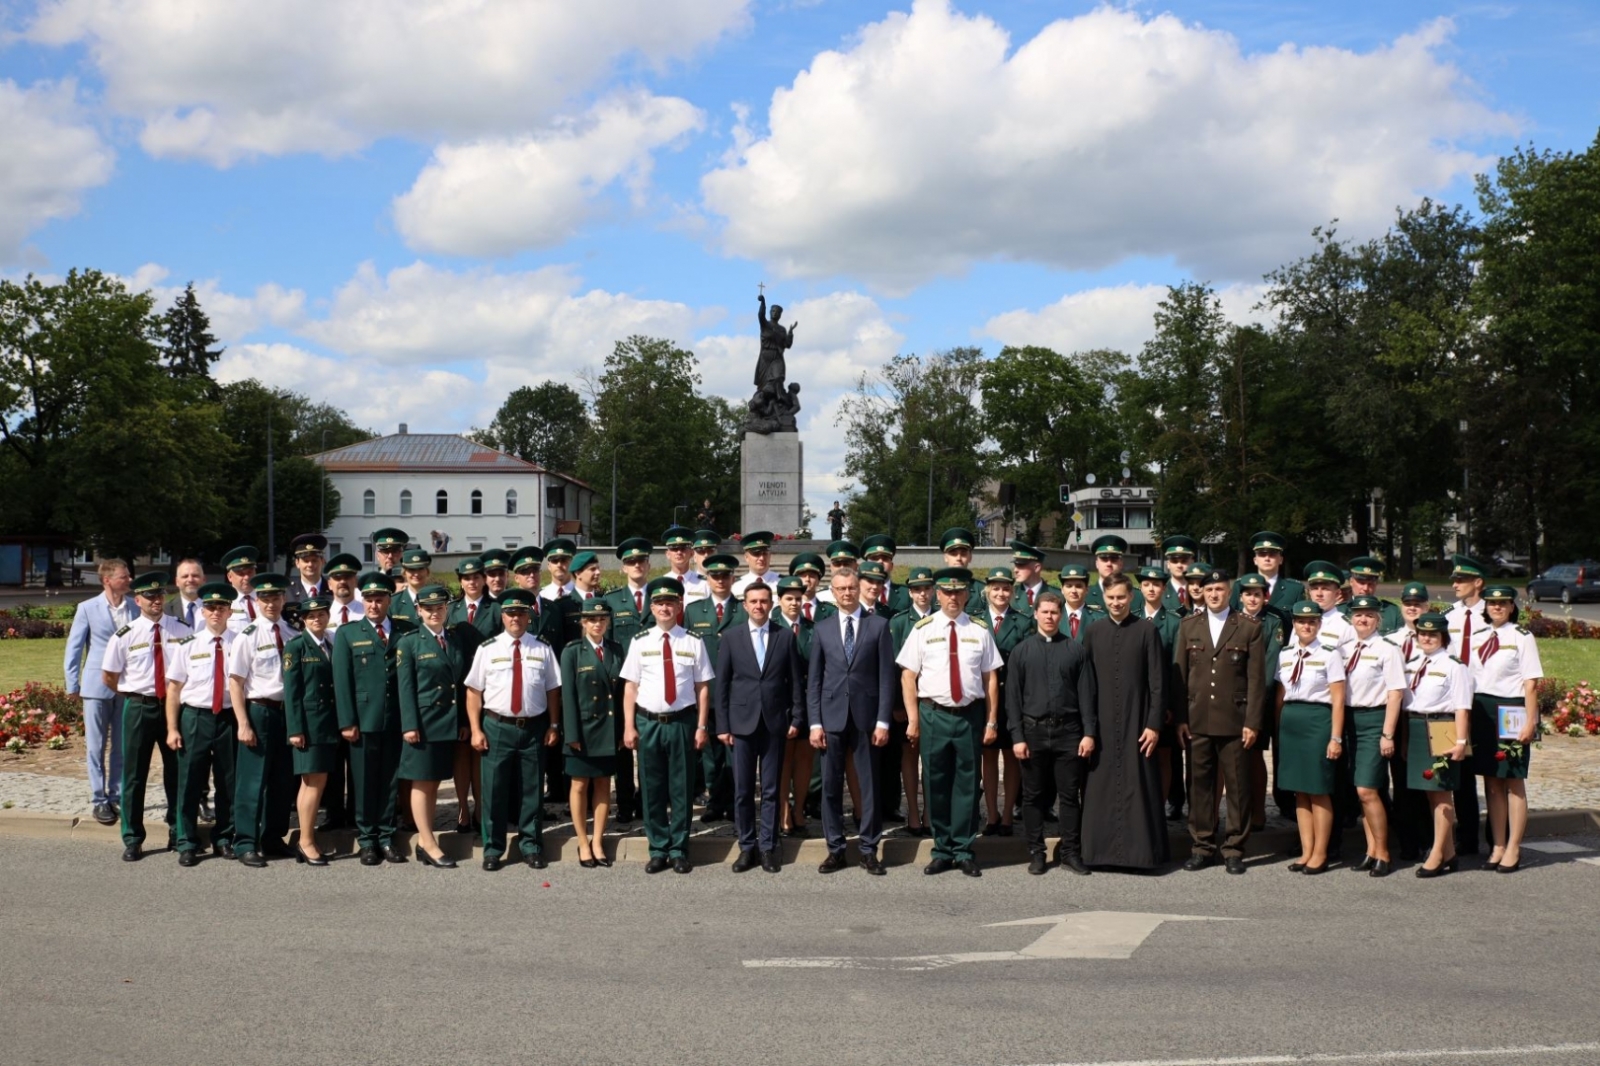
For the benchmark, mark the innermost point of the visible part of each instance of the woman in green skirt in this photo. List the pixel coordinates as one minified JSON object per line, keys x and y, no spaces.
{"x":591,"y":720}
{"x":1437,"y":689}
{"x":1504,"y":662}
{"x":310,"y":718}
{"x":1310,"y":731}
{"x":430,"y":668}
{"x":1375,"y":686}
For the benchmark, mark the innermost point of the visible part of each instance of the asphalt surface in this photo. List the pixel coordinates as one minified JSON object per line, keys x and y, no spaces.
{"x":106,"y":962}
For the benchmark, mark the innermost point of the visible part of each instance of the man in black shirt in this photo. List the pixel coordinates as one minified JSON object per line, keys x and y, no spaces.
{"x":1050,"y":708}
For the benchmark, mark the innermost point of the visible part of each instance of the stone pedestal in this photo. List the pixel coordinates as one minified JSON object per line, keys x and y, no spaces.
{"x":772,"y":480}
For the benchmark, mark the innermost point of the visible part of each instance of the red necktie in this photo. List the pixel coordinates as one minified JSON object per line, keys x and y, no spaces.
{"x":669,"y":671}
{"x":1299,"y":664}
{"x":957,"y":697}
{"x":216,"y":678}
{"x":1490,"y":646}
{"x":599,"y":651}
{"x":807,"y":606}
{"x":379,"y":628}
{"x":277,"y":635}
{"x":1350,"y":667}
{"x":442,"y":645}
{"x":472,"y":613}
{"x":1466,"y":636}
{"x":516,"y":679}
{"x":1183,"y":598}
{"x":344,"y":615}
{"x":1030,"y":596}
{"x":1406,"y":654}
{"x":1422,"y":668}
{"x":638,"y":603}
{"x":719,"y":614}
{"x":1074,"y":633}
{"x":161,"y":665}
{"x":250,"y":607}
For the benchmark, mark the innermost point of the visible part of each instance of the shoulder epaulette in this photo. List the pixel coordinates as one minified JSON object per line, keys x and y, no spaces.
{"x":925,"y":620}
{"x":693,"y":634}
{"x":1523,"y":630}
{"x":1245,"y":618}
{"x":1458,"y":662}
{"x":181,"y":640}
{"x":1094,"y":607}
{"x":251,"y":628}
{"x":123,"y":631}
{"x":981,"y":620}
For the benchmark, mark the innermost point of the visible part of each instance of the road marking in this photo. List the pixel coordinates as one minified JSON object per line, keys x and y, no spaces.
{"x":1086,"y":935}
{"x":1555,"y":847}
{"x":1430,"y":1054}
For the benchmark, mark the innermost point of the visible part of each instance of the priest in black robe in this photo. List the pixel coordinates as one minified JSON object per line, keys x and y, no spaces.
{"x":1124,"y":821}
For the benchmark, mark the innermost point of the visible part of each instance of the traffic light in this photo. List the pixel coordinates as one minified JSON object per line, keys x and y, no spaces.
{"x":1066,"y":493}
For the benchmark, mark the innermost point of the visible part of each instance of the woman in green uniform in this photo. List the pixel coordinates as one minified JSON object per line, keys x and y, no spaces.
{"x":1311,"y":731}
{"x":310,"y":717}
{"x":430,"y":668}
{"x":1438,"y":688}
{"x":1375,"y":684}
{"x":794,"y":782}
{"x":1505,"y":668}
{"x":591,"y":720}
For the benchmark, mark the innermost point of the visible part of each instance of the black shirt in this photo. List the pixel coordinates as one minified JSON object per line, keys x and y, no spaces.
{"x":1051,"y":678}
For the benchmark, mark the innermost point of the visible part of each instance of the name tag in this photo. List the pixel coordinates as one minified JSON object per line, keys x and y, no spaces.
{"x":585,"y":669}
{"x":429,"y":655}
{"x":971,"y":640}
{"x":501,"y":659}
{"x":684,"y":654}
{"x":934,"y":640}
{"x":648,"y":654}
{"x":273,"y":648}
{"x":360,"y":643}
{"x":1437,"y":673}
{"x":137,"y":647}
{"x":199,"y":658}
{"x":1316,"y":662}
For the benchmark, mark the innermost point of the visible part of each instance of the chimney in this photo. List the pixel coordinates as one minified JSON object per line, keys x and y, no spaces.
{"x":402,"y":429}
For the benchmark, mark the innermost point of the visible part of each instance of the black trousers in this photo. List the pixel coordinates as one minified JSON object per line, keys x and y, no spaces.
{"x":1052,"y":769}
{"x":627,"y":788}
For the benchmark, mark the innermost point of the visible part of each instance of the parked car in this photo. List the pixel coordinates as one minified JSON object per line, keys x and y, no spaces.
{"x":1510,"y":566}
{"x":1569,"y":583}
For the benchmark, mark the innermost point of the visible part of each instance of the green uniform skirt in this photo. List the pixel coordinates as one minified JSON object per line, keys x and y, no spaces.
{"x":1370,"y":768}
{"x":316,"y":758}
{"x":431,"y":760}
{"x":1419,"y":758}
{"x":1303,"y":735}
{"x":582,"y":765}
{"x":1484,"y":727}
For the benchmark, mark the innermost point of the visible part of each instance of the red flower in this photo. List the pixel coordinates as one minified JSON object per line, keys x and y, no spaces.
{"x":1499,"y":756}
{"x":1427,"y":775}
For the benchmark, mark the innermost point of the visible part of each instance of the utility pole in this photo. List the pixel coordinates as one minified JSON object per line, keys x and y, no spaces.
{"x":272,"y":545}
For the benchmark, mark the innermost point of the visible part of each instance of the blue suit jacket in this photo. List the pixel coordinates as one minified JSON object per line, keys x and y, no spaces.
{"x":863,"y":690}
{"x":92,"y":627}
{"x":745,"y":694}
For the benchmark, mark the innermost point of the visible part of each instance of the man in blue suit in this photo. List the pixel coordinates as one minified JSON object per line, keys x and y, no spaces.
{"x":759,"y":701}
{"x":850,"y":692}
{"x":94,"y":623}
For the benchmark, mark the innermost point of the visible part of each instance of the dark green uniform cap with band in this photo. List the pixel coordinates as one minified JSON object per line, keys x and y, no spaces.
{"x":1306,"y":609}
{"x":343,"y":564}
{"x":634,"y":548}
{"x":416,"y":559}
{"x":243,"y":555}
{"x":1179,"y":544}
{"x":955,"y":537}
{"x":715,"y":564}
{"x":1151,"y":573}
{"x":375,"y":581}
{"x":807,"y":562}
{"x":472,"y":564}
{"x":952,"y":578}
{"x":1074,"y":572}
{"x":678,"y":537}
{"x":1500,"y":592}
{"x":1110,"y":544}
{"x":921,"y":578}
{"x":153,"y":582}
{"x":218,"y":592}
{"x":1248,"y":581}
{"x":269,"y":583}
{"x":1366,"y":566}
{"x":759,"y":541}
{"x":529,"y":556}
{"x":517,"y":600}
{"x":1434,"y":622}
{"x":1365,"y":603}
{"x":872,"y":570}
{"x":1322,"y":570}
{"x":389,"y":538}
{"x":843,"y":549}
{"x":495,"y":559}
{"x":433,"y":596}
{"x":879,"y":543}
{"x":1467,"y":566}
{"x":560,"y":548}
{"x":1413,"y":591}
{"x":664,"y":588}
{"x":791,"y":584}
{"x":1266,"y":541}
{"x":707,"y":538}
{"x":319,"y":602}
{"x":308,"y":544}
{"x":1000,"y":575}
{"x":1024,"y":552}
{"x":595,"y":607}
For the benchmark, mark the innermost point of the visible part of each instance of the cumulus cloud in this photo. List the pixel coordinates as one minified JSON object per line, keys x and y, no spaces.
{"x":51,"y":158}
{"x":226,"y":81}
{"x":931,"y":144}
{"x":232,"y":316}
{"x":1119,"y":317}
{"x":493,"y":197}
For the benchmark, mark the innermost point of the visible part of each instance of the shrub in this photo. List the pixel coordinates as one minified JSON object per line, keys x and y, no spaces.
{"x":1578,"y":708}
{"x":37,"y":714}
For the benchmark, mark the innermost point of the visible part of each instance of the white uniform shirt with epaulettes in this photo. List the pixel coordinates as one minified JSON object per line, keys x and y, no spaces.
{"x":192,"y":663}
{"x":770,"y":577}
{"x":1335,"y":628}
{"x":1373,"y":668}
{"x":1323,"y":665}
{"x":257,"y":657}
{"x":491,"y":674}
{"x":646,"y":667}
{"x":246,"y":609}
{"x":1437,"y":683}
{"x":341,"y":613}
{"x":695,"y":585}
{"x":1456,"y":618}
{"x":131,"y":652}
{"x":555,"y":592}
{"x":927,"y":654}
{"x":1502,"y":659}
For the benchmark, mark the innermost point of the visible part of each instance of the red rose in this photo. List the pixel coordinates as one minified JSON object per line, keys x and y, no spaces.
{"x":1427,"y":775}
{"x":1499,"y":756}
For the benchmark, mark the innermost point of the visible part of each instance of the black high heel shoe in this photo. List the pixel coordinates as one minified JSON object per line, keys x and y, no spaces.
{"x":444,"y":862}
{"x":1311,"y":871}
{"x":1367,"y":862}
{"x":590,"y":863}
{"x":300,"y":857}
{"x":1513,"y":868}
{"x":1380,"y":868}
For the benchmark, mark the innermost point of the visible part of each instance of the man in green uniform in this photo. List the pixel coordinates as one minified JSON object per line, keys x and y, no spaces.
{"x":368,"y":700}
{"x":1027,"y":563}
{"x":1108,"y":551}
{"x":264,"y":773}
{"x":558,"y":553}
{"x":842,"y":555}
{"x":1080,"y":613}
{"x":630,"y":616}
{"x":1009,"y":623}
{"x":1365,"y":571}
{"x":707,"y":619}
{"x":956,"y":543}
{"x":880,"y":548}
{"x":389,"y":545}
{"x":1252,"y":591}
{"x":1283,"y":591}
{"x":874,"y":589}
{"x":417,"y":566}
{"x":809,"y":568}
{"x":200,"y":724}
{"x":1178,"y":553}
{"x":496,"y":571}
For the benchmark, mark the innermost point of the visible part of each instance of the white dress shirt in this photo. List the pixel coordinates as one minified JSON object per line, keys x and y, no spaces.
{"x":1444,"y":686}
{"x":131,"y":652}
{"x":1502,"y":659}
{"x":1215,"y":620}
{"x":646,"y":667}
{"x":927,"y":654}
{"x":191,"y":666}
{"x":257,"y":658}
{"x":1373,"y":668}
{"x":1323,"y":665}
{"x":491,"y":675}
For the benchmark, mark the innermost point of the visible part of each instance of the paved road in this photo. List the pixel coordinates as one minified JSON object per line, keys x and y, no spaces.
{"x":105,"y":962}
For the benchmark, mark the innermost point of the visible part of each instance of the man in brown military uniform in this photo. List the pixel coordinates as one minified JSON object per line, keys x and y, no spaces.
{"x":1220,"y":708}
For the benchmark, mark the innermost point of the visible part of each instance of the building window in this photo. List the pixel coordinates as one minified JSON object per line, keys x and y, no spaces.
{"x":334,"y":548}
{"x":511,"y":501}
{"x":1138,"y":518}
{"x":405,"y":501}
{"x":555,"y":498}
{"x":513,"y":543}
{"x":1108,"y":518}
{"x":369,"y":503}
{"x":441,"y":502}
{"x":366,"y":551}
{"x":474,"y":545}
{"x":477,"y":502}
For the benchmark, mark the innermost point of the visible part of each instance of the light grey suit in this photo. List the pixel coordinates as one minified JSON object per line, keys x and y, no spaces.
{"x":92,"y":626}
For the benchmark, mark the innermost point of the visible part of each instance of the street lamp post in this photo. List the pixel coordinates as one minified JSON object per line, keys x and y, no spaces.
{"x":1466,"y":500}
{"x":322,"y":488}
{"x":619,"y":446}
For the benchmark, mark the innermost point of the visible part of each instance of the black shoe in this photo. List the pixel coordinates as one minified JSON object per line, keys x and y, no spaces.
{"x":104,"y":815}
{"x":371,"y":856}
{"x":1380,"y":868}
{"x":939,"y":866}
{"x":1234,"y":864}
{"x":1513,"y":868}
{"x":770,"y":861}
{"x":1490,"y":867}
{"x":493,"y":863}
{"x":711,"y":817}
{"x":1453,"y":863}
{"x":970,"y":867}
{"x":833,"y":863}
{"x":393,"y":854}
{"x":275,"y":849}
{"x":536,"y":860}
{"x":681,"y":865}
{"x":206,"y":816}
{"x":870,"y":863}
{"x":1074,"y":862}
{"x":132,"y":853}
{"x":188,"y":858}
{"x":1310,"y":871}
{"x":1198,"y":861}
{"x":1038,"y":864}
{"x":1366,"y":863}
{"x":1005,"y":830}
{"x":991,"y":829}
{"x":253,"y":859}
{"x":623,"y":818}
{"x":444,"y":862}
{"x":1297,"y":867}
{"x":464,"y":828}
{"x":747,"y":860}
{"x":223,"y":849}
{"x":591,"y":863}
{"x":656,"y":864}
{"x":301,"y":858}
{"x":1437,"y":871}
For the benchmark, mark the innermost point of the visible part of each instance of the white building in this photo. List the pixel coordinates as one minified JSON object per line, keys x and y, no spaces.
{"x":450,"y":494}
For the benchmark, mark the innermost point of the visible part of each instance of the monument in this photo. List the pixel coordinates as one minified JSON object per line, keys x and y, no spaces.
{"x":772,"y":481}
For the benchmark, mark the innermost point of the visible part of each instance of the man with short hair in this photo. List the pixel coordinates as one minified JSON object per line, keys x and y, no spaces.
{"x":1365,"y":572}
{"x":496,"y":571}
{"x":263,"y":769}
{"x":201,"y":726}
{"x":1178,"y":554}
{"x":809,"y":567}
{"x":558,"y":553}
{"x":388,"y":546}
{"x":1009,"y":624}
{"x":1108,"y":551}
{"x":1323,"y":582}
{"x":708,"y":619}
{"x":416,"y":565}
{"x":1283,"y":591}
{"x":1080,"y":614}
{"x":678,"y":541}
{"x":630,"y":616}
{"x":586,"y":576}
{"x":1027,"y":564}
{"x":94,"y":623}
{"x":844,"y":556}
{"x":880,"y":548}
{"x":1464,"y":618}
{"x":189,"y":575}
{"x":308,"y":550}
{"x":836,"y":522}
{"x":239,"y":565}
{"x":956,"y":544}
{"x":758,"y":557}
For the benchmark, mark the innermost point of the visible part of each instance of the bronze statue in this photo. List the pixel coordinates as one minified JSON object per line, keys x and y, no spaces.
{"x":775,"y":403}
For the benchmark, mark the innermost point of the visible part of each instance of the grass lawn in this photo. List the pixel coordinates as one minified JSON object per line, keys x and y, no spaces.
{"x":1569,"y":660}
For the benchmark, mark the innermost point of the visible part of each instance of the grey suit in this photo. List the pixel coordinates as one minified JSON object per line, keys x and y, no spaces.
{"x":757,"y":702}
{"x":847,"y":697}
{"x":93,"y":624}
{"x":178,"y":607}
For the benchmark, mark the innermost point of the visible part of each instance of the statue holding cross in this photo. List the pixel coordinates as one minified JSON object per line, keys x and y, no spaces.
{"x":775,"y":403}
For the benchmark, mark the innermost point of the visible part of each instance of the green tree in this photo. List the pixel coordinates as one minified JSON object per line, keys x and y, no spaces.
{"x":189,"y":351}
{"x":543,"y":424}
{"x":302,"y":498}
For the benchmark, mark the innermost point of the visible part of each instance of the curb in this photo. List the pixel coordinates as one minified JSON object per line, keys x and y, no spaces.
{"x":894,"y":851}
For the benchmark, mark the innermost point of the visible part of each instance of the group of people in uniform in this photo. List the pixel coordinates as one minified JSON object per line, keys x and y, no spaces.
{"x":1103,"y":702}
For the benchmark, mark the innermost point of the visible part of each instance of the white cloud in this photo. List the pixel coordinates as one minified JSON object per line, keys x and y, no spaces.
{"x":51,"y":158}
{"x":1120,"y":317}
{"x":232,"y":316}
{"x":493,"y":197}
{"x":227,"y":81}
{"x":931,"y":144}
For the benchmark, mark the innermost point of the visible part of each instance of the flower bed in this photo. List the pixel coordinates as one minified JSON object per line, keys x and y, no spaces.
{"x":38,"y":714}
{"x":1577,"y":712}
{"x":15,"y":628}
{"x":1542,"y":625}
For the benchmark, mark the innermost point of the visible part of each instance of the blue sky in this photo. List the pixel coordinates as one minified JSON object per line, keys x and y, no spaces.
{"x":410,"y":208}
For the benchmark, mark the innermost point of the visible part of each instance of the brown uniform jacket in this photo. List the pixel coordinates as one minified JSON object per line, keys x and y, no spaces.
{"x":1220,"y":687}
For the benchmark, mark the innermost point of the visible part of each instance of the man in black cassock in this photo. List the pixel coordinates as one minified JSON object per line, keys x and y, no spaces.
{"x":1124,"y":821}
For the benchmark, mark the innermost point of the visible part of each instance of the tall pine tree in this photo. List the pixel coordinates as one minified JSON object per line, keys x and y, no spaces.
{"x":189,"y":350}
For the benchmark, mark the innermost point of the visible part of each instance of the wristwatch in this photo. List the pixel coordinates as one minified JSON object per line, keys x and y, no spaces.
{"x":1336,"y":740}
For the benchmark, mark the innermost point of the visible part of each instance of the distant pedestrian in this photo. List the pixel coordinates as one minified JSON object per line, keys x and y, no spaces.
{"x":836,"y":522}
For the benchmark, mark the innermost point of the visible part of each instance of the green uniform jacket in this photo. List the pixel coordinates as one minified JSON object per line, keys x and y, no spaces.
{"x":487,"y":623}
{"x":308,"y":703}
{"x":1272,"y":629}
{"x":1166,"y":624}
{"x":1092,"y":613}
{"x":899,"y":599}
{"x":1389,"y":617}
{"x":433,"y":698}
{"x":591,"y":697}
{"x":404,"y":605}
{"x":364,"y":686}
{"x":1017,"y":627}
{"x":558,"y":623}
{"x":626,"y":621}
{"x":900,"y":627}
{"x":804,"y":632}
{"x":1285,"y":594}
{"x":700,"y":618}
{"x":1170,"y":601}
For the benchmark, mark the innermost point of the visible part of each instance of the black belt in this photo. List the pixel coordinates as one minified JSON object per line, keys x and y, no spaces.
{"x":925,"y":704}
{"x":138,"y":697}
{"x":1078,"y":718}
{"x":670,"y":716}
{"x":276,"y":705}
{"x":519,"y":721}
{"x":1436,"y":715}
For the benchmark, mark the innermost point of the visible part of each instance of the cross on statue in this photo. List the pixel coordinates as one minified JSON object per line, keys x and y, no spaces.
{"x":761,"y":287}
